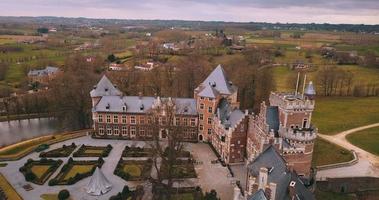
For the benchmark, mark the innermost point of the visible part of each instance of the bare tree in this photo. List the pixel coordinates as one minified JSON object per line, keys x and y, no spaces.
{"x":164,"y":117}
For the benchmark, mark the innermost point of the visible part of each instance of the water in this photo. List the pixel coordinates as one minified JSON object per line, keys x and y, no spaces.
{"x":18,"y":130}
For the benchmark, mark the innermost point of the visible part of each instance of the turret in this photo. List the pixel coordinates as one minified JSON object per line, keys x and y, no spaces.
{"x":310,"y":91}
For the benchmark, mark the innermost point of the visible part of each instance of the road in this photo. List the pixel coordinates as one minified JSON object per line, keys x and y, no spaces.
{"x":368,"y":164}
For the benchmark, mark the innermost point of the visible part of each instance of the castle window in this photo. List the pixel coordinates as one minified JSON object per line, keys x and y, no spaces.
{"x":201,"y":127}
{"x":124,"y":119}
{"x":210,"y":109}
{"x":201,"y":106}
{"x":133,"y":120}
{"x":133,"y":131}
{"x":209,"y":131}
{"x":142,"y":132}
{"x":209,"y":120}
{"x":101,"y":130}
{"x":100,"y":118}
{"x":177,"y":121}
{"x":185,"y":120}
{"x":115,"y":131}
{"x":108,"y":119}
{"x":124,"y":130}
{"x":305,"y":122}
{"x":202,"y":98}
{"x":142,"y":120}
{"x":193,"y":122}
{"x":201,"y":116}
{"x":109,"y":130}
{"x":115,"y":119}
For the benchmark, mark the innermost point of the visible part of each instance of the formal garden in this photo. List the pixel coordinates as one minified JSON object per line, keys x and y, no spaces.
{"x":76,"y":170}
{"x":93,"y":151}
{"x":64,"y":151}
{"x":136,"y":152}
{"x":182,"y":193}
{"x":134,"y":170}
{"x":39,"y":171}
{"x":181,"y":169}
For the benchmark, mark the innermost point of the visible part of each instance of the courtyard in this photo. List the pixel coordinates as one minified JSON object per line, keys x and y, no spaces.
{"x":134,"y":161}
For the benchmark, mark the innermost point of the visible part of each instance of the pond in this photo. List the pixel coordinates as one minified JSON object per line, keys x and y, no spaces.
{"x":18,"y":130}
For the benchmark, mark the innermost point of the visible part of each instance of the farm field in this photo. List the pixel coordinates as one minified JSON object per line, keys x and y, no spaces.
{"x":366,"y":139}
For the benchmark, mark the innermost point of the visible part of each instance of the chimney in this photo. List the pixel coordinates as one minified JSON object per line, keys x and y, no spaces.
{"x":263,"y":175}
{"x":291,"y":189}
{"x":273,"y":190}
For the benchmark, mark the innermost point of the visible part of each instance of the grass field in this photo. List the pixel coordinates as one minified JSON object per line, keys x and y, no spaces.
{"x":367,"y":139}
{"x":40,"y":170}
{"x":81,"y":169}
{"x":133,"y":170}
{"x":327,"y":153}
{"x":96,"y":151}
{"x":333,"y":115}
{"x":8,"y":189}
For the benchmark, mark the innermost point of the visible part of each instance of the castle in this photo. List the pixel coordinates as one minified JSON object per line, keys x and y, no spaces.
{"x":213,"y":115}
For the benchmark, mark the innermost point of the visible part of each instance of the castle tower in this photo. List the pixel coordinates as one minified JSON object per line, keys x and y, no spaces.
{"x":295,"y":129}
{"x":208,"y":95}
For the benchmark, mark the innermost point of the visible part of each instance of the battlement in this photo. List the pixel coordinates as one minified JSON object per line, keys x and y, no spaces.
{"x":291,"y":101}
{"x":298,"y":134}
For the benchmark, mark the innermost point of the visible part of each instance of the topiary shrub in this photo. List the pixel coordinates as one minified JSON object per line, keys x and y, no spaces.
{"x":30,"y":176}
{"x":63,"y":194}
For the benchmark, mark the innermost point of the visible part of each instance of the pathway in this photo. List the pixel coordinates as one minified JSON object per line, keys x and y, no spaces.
{"x":368,"y":164}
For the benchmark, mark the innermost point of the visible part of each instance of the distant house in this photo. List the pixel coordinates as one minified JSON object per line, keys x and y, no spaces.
{"x":115,"y":67}
{"x":43,"y":75}
{"x":147,"y":67}
{"x":170,"y":46}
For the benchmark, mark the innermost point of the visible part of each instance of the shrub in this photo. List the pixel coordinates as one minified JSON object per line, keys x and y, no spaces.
{"x":30,"y":176}
{"x":125,"y":190}
{"x":63,"y":194}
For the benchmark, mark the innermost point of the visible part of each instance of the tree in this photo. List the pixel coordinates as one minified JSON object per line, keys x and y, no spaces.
{"x":42,"y":30}
{"x":63,"y":194}
{"x":111,"y":58}
{"x":166,"y":153}
{"x":211,"y":195}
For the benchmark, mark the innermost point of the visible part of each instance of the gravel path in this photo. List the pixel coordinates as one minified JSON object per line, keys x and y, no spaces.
{"x":368,"y":163}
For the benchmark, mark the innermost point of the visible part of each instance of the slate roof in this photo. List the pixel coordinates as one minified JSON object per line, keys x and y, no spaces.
{"x":105,"y":88}
{"x":209,"y":92}
{"x":279,"y":174}
{"x":43,"y":72}
{"x":217,"y":80}
{"x":137,"y":104}
{"x":310,"y":90}
{"x":258,"y":195}
{"x":272,"y":118}
{"x":228,"y":116}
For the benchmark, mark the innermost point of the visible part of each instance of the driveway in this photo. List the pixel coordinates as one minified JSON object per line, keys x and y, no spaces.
{"x":368,"y":163}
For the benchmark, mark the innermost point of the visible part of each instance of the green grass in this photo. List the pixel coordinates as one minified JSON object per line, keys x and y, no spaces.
{"x":133,"y":170}
{"x":78,"y":169}
{"x":335,"y":114}
{"x":366,"y":139}
{"x":325,"y":153}
{"x":40,"y":170}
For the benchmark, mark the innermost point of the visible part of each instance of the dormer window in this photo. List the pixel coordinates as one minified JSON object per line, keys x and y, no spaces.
{"x":108,"y":106}
{"x":141,"y":107}
{"x":185,"y":109}
{"x":124,"y":108}
{"x":106,"y":89}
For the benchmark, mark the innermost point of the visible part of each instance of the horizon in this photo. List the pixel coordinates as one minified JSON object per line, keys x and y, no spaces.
{"x":272,"y":11}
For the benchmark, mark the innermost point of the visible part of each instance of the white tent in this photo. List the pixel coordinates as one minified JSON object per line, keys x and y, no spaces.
{"x":99,"y":184}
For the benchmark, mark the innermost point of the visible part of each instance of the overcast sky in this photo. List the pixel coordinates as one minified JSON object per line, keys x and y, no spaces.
{"x":301,"y":11}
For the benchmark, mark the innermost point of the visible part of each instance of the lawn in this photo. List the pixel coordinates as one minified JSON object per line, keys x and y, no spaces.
{"x":332,"y":196}
{"x":78,"y":169}
{"x":366,"y":139}
{"x":133,"y":170}
{"x":327,"y":153}
{"x":93,"y":151}
{"x":336,"y":114}
{"x":182,"y":169}
{"x":51,"y":197}
{"x":8,"y":189}
{"x":183,"y":196}
{"x":40,"y":170}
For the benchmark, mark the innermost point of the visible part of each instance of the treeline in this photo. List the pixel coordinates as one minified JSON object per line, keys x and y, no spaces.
{"x":334,"y":81}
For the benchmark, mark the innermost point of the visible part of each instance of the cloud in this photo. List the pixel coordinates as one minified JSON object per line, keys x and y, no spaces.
{"x":319,"y":11}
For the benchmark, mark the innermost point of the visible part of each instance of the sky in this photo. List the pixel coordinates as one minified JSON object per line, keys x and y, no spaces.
{"x":292,"y":11}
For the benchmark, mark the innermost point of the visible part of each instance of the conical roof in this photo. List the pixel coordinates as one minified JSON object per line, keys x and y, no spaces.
{"x":310,"y":90}
{"x":99,"y":184}
{"x":218,"y":80}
